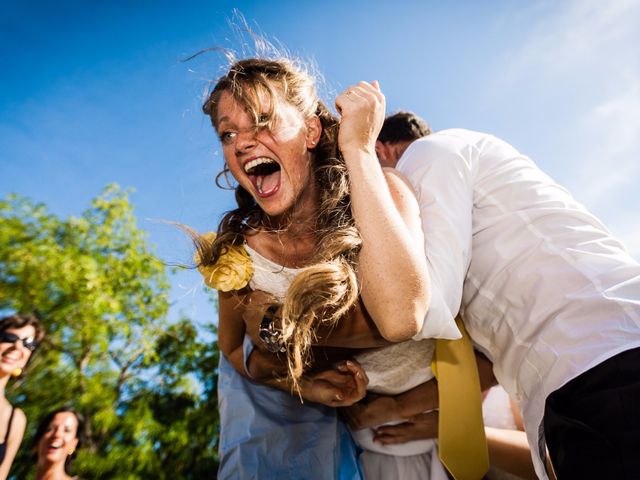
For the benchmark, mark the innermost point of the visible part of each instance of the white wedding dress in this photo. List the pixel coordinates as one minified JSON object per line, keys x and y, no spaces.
{"x":391,"y":370}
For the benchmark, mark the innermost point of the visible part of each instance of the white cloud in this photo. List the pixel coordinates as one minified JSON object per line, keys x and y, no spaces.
{"x":613,"y":162}
{"x":586,"y":36}
{"x":579,"y":60}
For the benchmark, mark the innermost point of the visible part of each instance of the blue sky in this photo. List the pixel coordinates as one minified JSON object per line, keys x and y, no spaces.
{"x":94,"y":92}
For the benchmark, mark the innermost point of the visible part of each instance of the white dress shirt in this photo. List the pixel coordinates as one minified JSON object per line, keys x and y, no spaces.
{"x":544,"y":289}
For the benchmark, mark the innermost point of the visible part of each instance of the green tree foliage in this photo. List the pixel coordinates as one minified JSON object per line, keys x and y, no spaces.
{"x":146,"y":386}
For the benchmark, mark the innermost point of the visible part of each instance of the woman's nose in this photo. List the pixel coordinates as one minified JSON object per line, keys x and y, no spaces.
{"x":246,"y":141}
{"x":14,"y":347}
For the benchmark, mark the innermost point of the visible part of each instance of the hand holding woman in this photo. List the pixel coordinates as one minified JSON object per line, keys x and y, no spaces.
{"x":342,"y":386}
{"x":419,"y":427}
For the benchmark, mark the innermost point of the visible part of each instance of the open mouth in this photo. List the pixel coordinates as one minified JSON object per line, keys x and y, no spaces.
{"x":52,"y":447}
{"x":264,"y":174}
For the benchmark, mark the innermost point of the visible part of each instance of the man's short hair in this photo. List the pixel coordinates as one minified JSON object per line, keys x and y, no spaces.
{"x":402,"y":127}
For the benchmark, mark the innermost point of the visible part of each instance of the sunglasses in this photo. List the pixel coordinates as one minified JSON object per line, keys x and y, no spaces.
{"x":29,"y":342}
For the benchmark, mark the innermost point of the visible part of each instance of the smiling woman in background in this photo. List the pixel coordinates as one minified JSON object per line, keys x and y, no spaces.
{"x":57,"y":438}
{"x":19,"y":337}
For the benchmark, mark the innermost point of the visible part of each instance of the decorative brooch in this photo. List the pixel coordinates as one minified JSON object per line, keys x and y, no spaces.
{"x":232,"y":271}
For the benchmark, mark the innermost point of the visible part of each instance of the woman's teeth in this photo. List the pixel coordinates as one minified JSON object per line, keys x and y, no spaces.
{"x":249,"y":167}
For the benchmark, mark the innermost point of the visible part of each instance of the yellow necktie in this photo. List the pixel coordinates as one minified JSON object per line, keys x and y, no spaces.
{"x":461,"y":439}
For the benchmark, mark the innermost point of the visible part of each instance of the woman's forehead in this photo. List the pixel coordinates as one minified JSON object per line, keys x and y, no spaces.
{"x":255,"y":103}
{"x":64,"y":418}
{"x":26,"y":331}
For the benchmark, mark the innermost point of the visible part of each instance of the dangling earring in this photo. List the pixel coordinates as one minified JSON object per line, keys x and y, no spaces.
{"x":71,"y":451}
{"x":17,"y":372}
{"x":225,"y":174}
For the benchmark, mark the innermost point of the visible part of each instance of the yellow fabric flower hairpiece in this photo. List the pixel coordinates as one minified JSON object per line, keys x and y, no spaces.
{"x":232,"y":271}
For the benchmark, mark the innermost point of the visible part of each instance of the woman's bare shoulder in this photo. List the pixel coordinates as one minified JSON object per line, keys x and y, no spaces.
{"x":396,"y":178}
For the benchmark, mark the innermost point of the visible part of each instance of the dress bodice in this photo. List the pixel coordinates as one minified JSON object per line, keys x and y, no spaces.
{"x":391,"y":370}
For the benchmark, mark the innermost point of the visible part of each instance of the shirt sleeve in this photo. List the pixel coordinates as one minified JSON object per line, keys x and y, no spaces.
{"x":440,"y":168}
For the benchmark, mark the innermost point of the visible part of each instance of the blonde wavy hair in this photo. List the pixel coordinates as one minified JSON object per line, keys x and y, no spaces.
{"x":323,"y":292}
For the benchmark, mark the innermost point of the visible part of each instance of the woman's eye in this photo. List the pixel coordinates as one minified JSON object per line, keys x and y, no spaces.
{"x":227,"y":137}
{"x":263,"y":118}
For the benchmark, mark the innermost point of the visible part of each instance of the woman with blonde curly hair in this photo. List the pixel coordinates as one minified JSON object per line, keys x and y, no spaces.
{"x":319,"y":224}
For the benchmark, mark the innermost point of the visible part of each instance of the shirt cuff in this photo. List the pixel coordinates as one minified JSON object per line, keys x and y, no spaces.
{"x":438,"y":323}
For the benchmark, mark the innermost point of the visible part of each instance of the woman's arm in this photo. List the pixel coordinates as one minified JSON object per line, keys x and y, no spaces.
{"x":338,"y":386}
{"x":231,"y":328}
{"x":355,"y":330}
{"x":13,"y":442}
{"x":392,"y":264}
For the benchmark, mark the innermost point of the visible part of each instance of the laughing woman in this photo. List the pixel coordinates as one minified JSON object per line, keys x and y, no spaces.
{"x":57,"y":439}
{"x":314,"y":207}
{"x":19,"y":337}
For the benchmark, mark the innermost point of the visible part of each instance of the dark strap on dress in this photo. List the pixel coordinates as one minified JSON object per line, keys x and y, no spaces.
{"x":3,"y":445}
{"x":6,"y":435}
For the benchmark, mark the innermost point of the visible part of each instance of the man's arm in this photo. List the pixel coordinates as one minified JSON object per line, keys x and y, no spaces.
{"x":410,"y":404}
{"x":441,"y":170}
{"x":508,"y":449}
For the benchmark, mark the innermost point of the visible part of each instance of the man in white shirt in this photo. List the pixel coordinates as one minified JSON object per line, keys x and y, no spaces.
{"x":546,"y":293}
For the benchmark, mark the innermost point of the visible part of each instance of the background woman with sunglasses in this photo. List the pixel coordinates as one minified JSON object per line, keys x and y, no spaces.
{"x":19,"y":337}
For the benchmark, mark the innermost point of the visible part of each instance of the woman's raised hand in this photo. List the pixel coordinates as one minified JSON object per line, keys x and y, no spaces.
{"x":362,"y":110}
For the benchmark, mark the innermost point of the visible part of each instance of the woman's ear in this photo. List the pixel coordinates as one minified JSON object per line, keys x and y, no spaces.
{"x":314,"y":130}
{"x":72,"y":446}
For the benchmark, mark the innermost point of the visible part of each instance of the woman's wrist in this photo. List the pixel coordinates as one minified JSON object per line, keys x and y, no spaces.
{"x":270,"y":330}
{"x":359,"y":153}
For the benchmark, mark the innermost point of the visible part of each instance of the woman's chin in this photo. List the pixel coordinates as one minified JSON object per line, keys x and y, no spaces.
{"x":8,"y":368}
{"x":273,"y":205}
{"x":54,"y":456}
